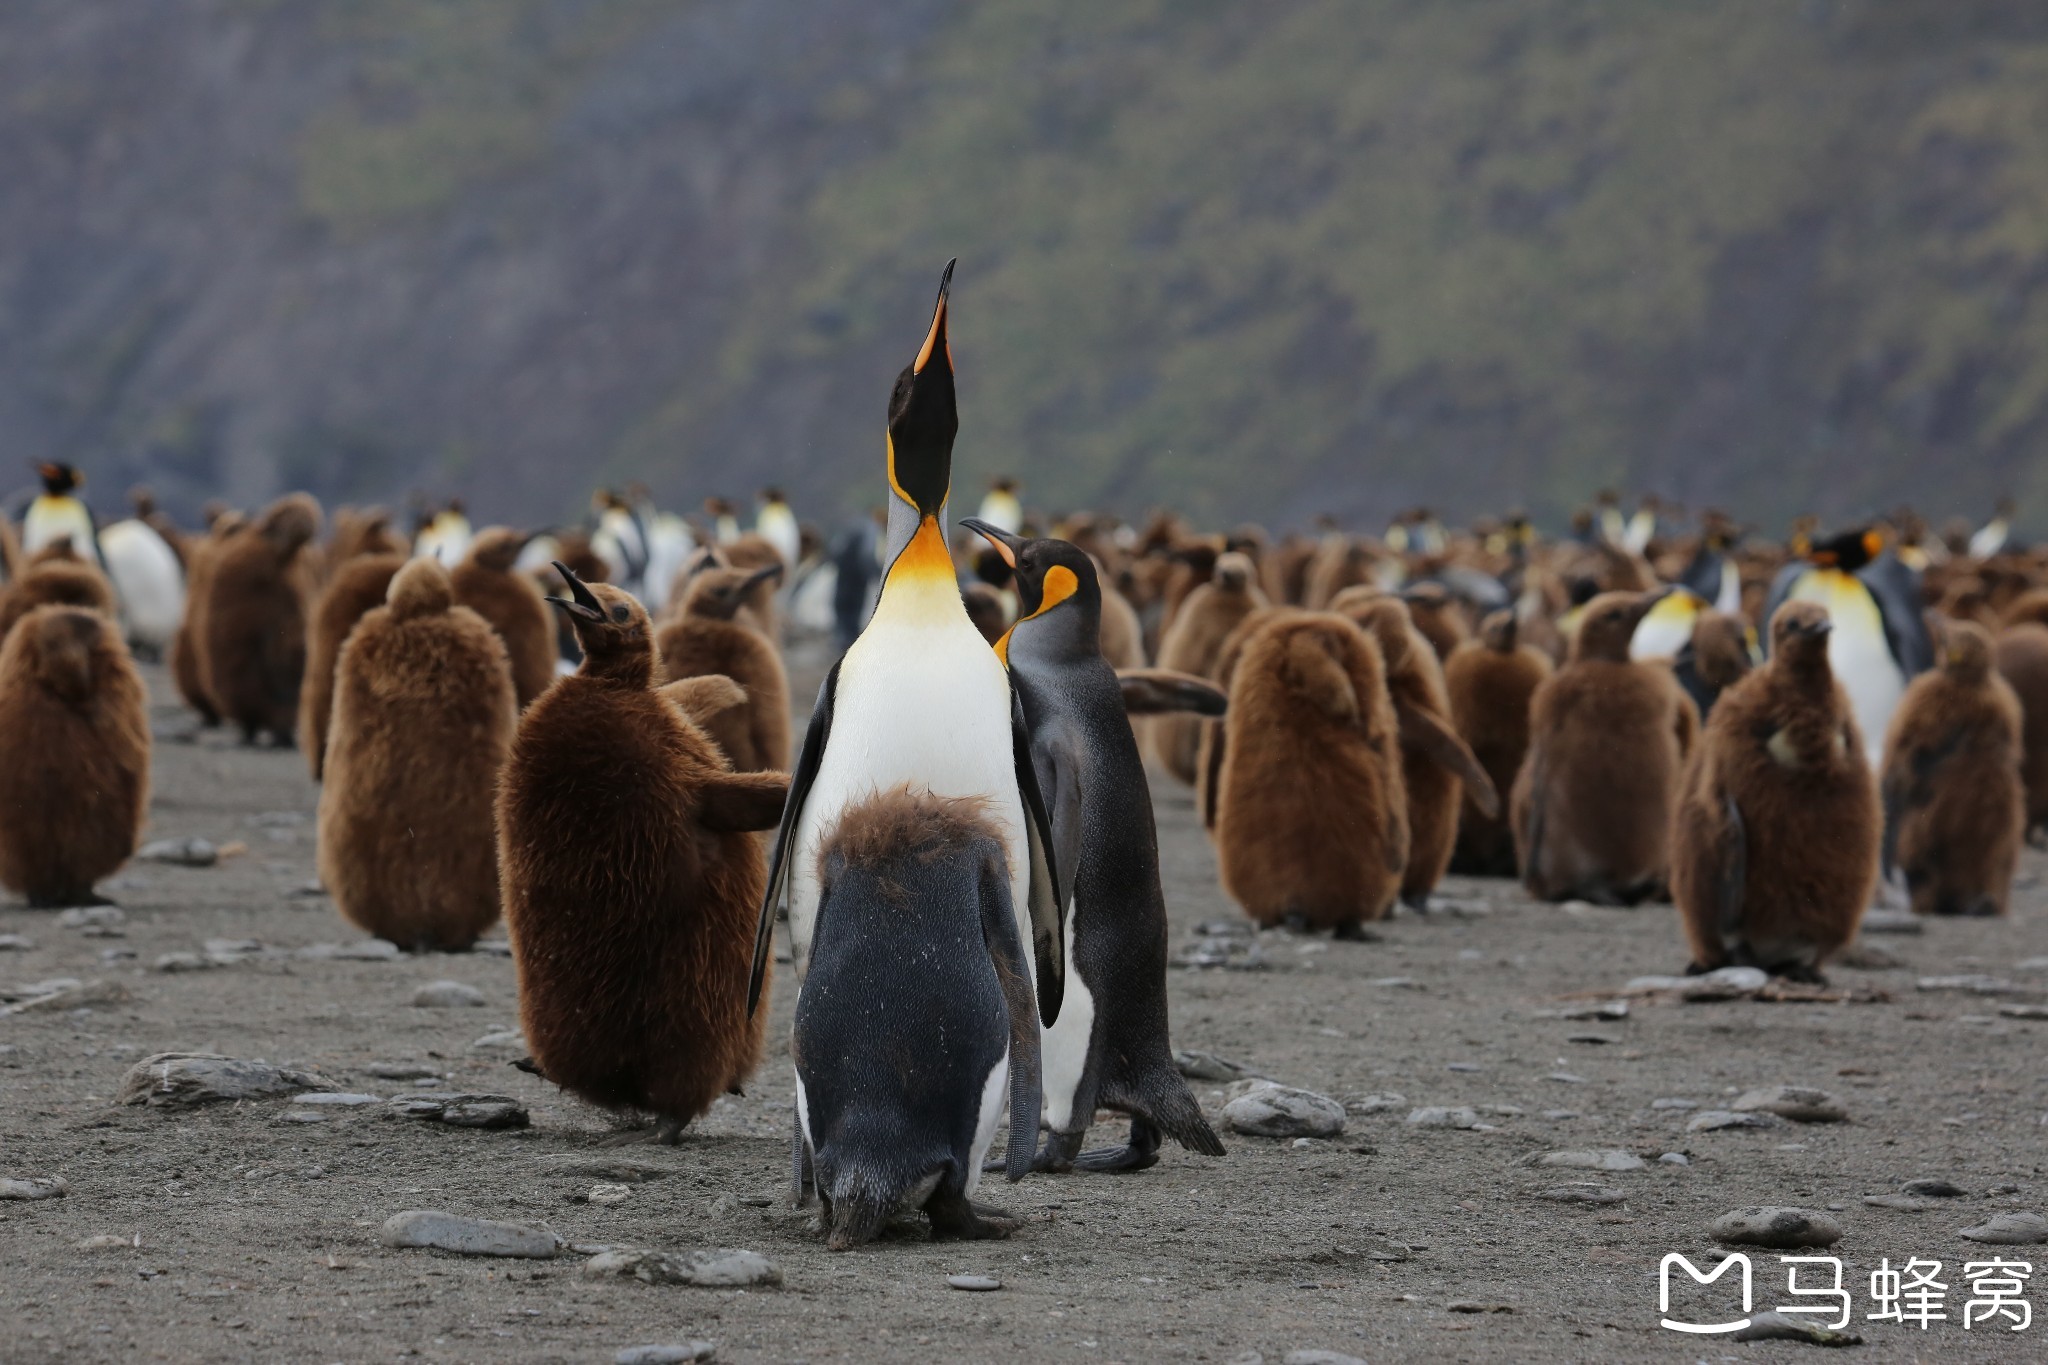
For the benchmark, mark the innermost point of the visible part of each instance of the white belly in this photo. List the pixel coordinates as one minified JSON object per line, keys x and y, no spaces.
{"x":48,"y":519}
{"x":148,"y":580}
{"x":995,"y":1107}
{"x":1858,"y":654}
{"x":1063,"y":1048}
{"x":925,"y":703}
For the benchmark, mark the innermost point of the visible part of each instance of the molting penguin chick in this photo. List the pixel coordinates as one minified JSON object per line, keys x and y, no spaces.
{"x":1714,"y":659}
{"x":188,"y":646}
{"x":1438,"y":616}
{"x":916,"y":1031}
{"x":1437,"y":770}
{"x":1955,"y":810}
{"x":1607,"y":740}
{"x":2022,"y":655}
{"x":1775,"y":844}
{"x":1109,"y":1046}
{"x":255,"y":617}
{"x":709,"y":637}
{"x":1489,"y":682}
{"x":55,"y":576}
{"x":1311,"y":814}
{"x":630,"y":876}
{"x":74,"y":755}
{"x":1193,"y":644}
{"x":487,"y":582}
{"x":360,"y":583}
{"x":423,"y":716}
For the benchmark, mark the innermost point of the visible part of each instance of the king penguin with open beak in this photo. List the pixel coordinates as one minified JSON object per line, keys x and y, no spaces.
{"x":919,"y":699}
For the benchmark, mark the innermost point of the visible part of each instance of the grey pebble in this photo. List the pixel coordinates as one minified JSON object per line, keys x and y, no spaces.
{"x":1375,"y":1103}
{"x":1557,"y":1115}
{"x":1775,"y":1226}
{"x":974,"y":1283}
{"x":1728,"y":983}
{"x":665,"y":1355}
{"x":1438,"y":1116}
{"x":1773,"y":1326}
{"x":1674,"y":1159}
{"x":722,"y":1268}
{"x":1207,"y":1066}
{"x":467,"y":1236}
{"x":1800,"y":1103}
{"x":1934,"y":1189}
{"x":1892,"y":922}
{"x":492,"y":947}
{"x":622,"y":1170}
{"x":1319,"y":1358}
{"x":16,"y":943}
{"x":184,"y":1080}
{"x":179,"y":852}
{"x":1899,"y":1203}
{"x":1974,"y":984}
{"x":1714,"y":1120}
{"x":2009,"y":1230}
{"x":500,"y":1040}
{"x":342,"y":1099}
{"x":401,"y":1071}
{"x":2024,"y":1011}
{"x":1462,"y":1066}
{"x":1606,"y":1009}
{"x":442,"y":995}
{"x":1588,"y":1160}
{"x":1674,"y":1104}
{"x":91,"y":917}
{"x":463,"y":1111}
{"x":180,"y":962}
{"x":363,"y":950}
{"x":33,"y":1188}
{"x":1565,"y":1078}
{"x":1582,"y":1192}
{"x":1269,"y":1110}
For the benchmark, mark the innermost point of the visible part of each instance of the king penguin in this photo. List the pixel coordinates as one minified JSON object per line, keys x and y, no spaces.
{"x":918,"y":698}
{"x":1109,"y":1045}
{"x":57,"y":512}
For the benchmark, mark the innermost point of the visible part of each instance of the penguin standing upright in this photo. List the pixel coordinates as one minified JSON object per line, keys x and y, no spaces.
{"x":1193,"y":644}
{"x":1109,"y":1045}
{"x":487,"y":582}
{"x":707,"y":638}
{"x":1489,"y":682}
{"x":255,"y":615}
{"x":359,"y":585}
{"x":919,"y":697}
{"x":776,"y":524}
{"x":149,"y":582}
{"x":58,"y":511}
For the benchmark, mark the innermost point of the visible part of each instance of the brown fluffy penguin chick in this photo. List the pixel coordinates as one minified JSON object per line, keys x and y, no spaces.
{"x":1489,"y":682}
{"x":710,"y":637}
{"x":988,"y":611}
{"x":55,"y":580}
{"x":511,"y":602}
{"x":255,"y":618}
{"x":2022,"y":654}
{"x":1193,"y":643}
{"x":359,"y":584}
{"x":74,"y":755}
{"x":362,"y":531}
{"x":1437,"y":769}
{"x":1439,"y":617}
{"x":1775,"y":846}
{"x":1311,"y":816}
{"x":423,"y":717}
{"x":631,"y":878}
{"x":1955,"y":810}
{"x":188,"y":652}
{"x":1122,"y":634}
{"x":1607,"y":739}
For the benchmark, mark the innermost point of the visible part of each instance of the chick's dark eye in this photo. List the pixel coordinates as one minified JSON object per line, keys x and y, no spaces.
{"x":622,"y":614}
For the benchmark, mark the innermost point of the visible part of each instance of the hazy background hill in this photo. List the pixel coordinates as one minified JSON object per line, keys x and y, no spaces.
{"x":1256,"y":260}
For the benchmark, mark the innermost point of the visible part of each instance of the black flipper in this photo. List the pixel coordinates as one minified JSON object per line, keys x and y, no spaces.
{"x":807,"y":763}
{"x":999,"y":932}
{"x":1429,"y":736}
{"x":1048,"y":894}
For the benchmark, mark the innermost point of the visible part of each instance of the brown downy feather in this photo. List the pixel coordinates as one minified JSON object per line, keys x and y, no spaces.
{"x":1955,"y":809}
{"x":511,"y":602}
{"x":255,"y":619}
{"x":1311,"y":818}
{"x":60,"y":579}
{"x":2022,"y":657}
{"x":360,"y":531}
{"x":1192,"y":645}
{"x":1122,"y":635}
{"x":188,"y":651}
{"x":1215,"y":743}
{"x":423,"y":718}
{"x":1439,"y":617}
{"x":1775,"y":845}
{"x":1490,"y":682}
{"x":709,"y":637}
{"x":633,"y":988}
{"x":359,"y":584}
{"x":74,"y":755}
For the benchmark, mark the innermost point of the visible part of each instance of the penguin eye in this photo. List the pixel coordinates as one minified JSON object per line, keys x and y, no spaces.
{"x":622,"y":613}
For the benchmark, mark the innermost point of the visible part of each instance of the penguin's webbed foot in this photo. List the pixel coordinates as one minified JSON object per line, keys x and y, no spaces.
{"x":669,"y":1131}
{"x":1055,"y":1158}
{"x":1295,"y":922}
{"x":1353,"y":931}
{"x":68,"y":900}
{"x":1418,"y":901}
{"x":1803,"y":973}
{"x":953,"y":1216}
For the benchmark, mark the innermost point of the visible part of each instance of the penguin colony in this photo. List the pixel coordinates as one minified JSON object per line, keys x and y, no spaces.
{"x":585,"y":730}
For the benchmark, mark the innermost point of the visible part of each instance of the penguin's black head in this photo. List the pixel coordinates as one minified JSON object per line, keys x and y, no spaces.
{"x":1059,"y":600}
{"x":1849,"y":551}
{"x":923,"y":418}
{"x":58,"y":479}
{"x":612,"y":629}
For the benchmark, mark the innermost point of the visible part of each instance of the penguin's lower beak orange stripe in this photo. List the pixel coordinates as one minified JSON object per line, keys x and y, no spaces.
{"x":932,"y":339}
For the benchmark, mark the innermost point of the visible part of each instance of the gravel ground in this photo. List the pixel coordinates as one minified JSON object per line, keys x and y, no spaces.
{"x":241,"y":1232}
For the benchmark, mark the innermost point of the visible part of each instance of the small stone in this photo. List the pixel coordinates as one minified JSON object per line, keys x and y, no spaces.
{"x":1867,"y":957}
{"x":1976,"y":984}
{"x":1557,"y":1115}
{"x":665,"y":1355}
{"x":1773,"y":1226}
{"x":467,"y":1236}
{"x":1319,"y":1358}
{"x":16,"y":943}
{"x":1892,"y":922}
{"x":1674,"y":1159}
{"x":492,"y":947}
{"x":718,"y":1269}
{"x":2009,"y":1230}
{"x":1475,"y":1306}
{"x":463,"y":1111}
{"x":1997,"y":1190}
{"x":1565,"y":1078}
{"x":442,"y":995}
{"x":401,"y":1071}
{"x":1714,"y":1120}
{"x":1582,"y":1192}
{"x":47,"y":1187}
{"x":1207,"y":1066}
{"x":1406,"y":983}
{"x":1674,"y":1104}
{"x":1590,"y":1039}
{"x":1934,"y":1189}
{"x":503,"y":1040}
{"x":92,"y":917}
{"x":1728,"y":983}
{"x":341,"y":1099}
{"x":1588,"y":1160}
{"x":2024,"y":1011}
{"x":363,"y":950}
{"x":1774,"y":1326}
{"x":1437,"y":1116}
{"x":1375,"y":1103}
{"x":609,"y":1194}
{"x":1462,"y":1066}
{"x":1650,"y":985}
{"x":1901,"y":1203}
{"x":1605,"y":1009}
{"x":105,"y":1241}
{"x":179,"y":852}
{"x":232,"y":947}
{"x":1283,"y":1112}
{"x":72,"y":995}
{"x":614,"y":1169}
{"x":974,"y":1284}
{"x":2031,"y":964}
{"x":1799,"y":1103}
{"x":183,"y":1080}
{"x":180,"y":962}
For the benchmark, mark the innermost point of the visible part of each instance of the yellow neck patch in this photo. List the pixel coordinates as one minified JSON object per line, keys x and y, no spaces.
{"x":1060,"y":584}
{"x":925,"y":556}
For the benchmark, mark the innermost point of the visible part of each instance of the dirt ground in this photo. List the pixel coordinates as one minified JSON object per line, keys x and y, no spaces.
{"x":249,"y":1236}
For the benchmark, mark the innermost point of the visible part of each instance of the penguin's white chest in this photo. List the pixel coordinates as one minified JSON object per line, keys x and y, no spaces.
{"x":49,"y":518}
{"x":1858,"y":654}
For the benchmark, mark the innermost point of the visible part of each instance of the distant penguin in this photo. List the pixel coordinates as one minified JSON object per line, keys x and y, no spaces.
{"x":1109,"y":1046}
{"x":707,"y":639}
{"x":58,"y":511}
{"x":775,"y":523}
{"x":55,"y":576}
{"x":1311,"y":814}
{"x":1954,"y":806}
{"x":423,"y":718}
{"x":1712,"y":574}
{"x":1714,"y":659}
{"x":1607,"y":739}
{"x":2022,"y":656}
{"x":750,"y":551}
{"x":1993,"y":535}
{"x":724,"y":519}
{"x":670,"y":543}
{"x":915,"y":1032}
{"x":1437,"y":615}
{"x":1438,"y":771}
{"x":362,"y":531}
{"x":487,"y":583}
{"x":987,"y":609}
{"x":1667,"y":628}
{"x":631,"y":878}
{"x":1775,"y":846}
{"x":1123,"y":637}
{"x":188,"y":646}
{"x":1192,"y":645}
{"x":1001,"y":507}
{"x":74,"y":755}
{"x":446,"y":534}
{"x":1489,"y":682}
{"x":255,"y":614}
{"x":360,"y":583}
{"x":620,"y":541}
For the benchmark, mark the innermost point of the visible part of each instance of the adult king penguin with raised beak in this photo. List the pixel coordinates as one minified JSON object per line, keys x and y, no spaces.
{"x":919,"y":698}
